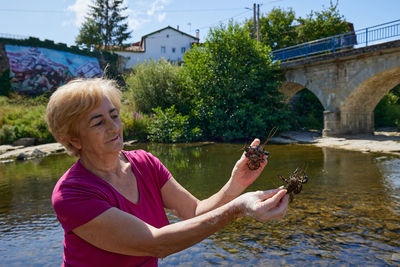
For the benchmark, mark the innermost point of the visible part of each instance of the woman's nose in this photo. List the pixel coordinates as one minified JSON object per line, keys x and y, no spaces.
{"x":112,"y":125}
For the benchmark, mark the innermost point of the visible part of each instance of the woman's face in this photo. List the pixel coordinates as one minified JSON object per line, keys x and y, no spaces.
{"x":100,"y":131}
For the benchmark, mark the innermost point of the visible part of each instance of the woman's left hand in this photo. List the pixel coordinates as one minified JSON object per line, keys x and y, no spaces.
{"x":241,"y":174}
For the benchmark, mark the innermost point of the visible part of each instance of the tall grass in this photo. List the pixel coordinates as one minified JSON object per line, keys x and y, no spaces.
{"x":22,"y":116}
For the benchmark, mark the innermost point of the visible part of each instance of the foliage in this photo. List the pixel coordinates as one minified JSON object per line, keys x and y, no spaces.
{"x":321,"y":24}
{"x":387,"y":112}
{"x":156,"y":84}
{"x":168,"y":126}
{"x":104,"y":26}
{"x":16,"y":122}
{"x":89,"y":35}
{"x":234,"y":86}
{"x":281,"y":28}
{"x":277,"y":28}
{"x":135,"y":125}
{"x":5,"y":85}
{"x":307,"y":111}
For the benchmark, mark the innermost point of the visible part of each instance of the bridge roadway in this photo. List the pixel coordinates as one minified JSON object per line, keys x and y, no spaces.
{"x":349,"y":84}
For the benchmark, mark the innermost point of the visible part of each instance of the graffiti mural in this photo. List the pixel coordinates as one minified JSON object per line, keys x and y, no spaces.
{"x":34,"y":70}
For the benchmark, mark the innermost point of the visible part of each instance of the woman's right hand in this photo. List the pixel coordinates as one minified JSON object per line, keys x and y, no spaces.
{"x":264,"y":205}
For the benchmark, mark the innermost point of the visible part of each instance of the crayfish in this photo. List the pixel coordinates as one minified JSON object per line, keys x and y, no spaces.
{"x":256,"y":154}
{"x":295,"y":182}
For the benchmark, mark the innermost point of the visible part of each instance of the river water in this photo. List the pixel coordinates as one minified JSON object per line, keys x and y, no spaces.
{"x":347,"y":214}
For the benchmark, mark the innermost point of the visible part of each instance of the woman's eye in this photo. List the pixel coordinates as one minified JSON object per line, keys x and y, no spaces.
{"x":98,"y":124}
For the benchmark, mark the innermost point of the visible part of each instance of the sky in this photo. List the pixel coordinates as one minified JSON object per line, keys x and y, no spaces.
{"x":60,"y":20}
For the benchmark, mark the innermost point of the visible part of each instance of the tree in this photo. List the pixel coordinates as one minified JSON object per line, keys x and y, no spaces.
{"x":234,"y":85}
{"x":89,"y":35}
{"x":277,"y":28}
{"x":325,"y":23}
{"x":280,"y":28}
{"x":104,"y":25}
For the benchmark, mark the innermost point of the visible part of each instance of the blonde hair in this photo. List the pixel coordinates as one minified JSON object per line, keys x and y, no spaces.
{"x":72,"y":101}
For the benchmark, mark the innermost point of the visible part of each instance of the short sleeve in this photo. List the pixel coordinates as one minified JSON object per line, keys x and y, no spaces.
{"x":162,"y":172}
{"x":149,"y":163}
{"x":77,"y":203}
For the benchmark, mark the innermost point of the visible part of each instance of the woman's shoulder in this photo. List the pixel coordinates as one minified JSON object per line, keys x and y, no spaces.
{"x":78,"y":178}
{"x":139,"y":155}
{"x":147,"y":162}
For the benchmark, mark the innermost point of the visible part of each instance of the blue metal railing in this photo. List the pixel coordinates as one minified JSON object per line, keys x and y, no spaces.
{"x":364,"y":37}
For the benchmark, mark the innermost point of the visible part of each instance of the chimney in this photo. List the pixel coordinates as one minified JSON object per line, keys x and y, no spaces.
{"x":177,"y":27}
{"x":198,"y":34}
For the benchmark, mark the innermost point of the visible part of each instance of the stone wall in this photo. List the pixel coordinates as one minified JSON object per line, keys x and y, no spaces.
{"x":348,"y":84}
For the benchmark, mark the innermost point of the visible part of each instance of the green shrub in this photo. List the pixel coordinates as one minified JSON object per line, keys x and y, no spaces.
{"x":5,"y":85}
{"x":7,"y":134}
{"x":171,"y":127}
{"x":387,"y":112}
{"x":154,"y":84}
{"x":23,"y":117}
{"x":135,"y":125}
{"x":307,"y":111}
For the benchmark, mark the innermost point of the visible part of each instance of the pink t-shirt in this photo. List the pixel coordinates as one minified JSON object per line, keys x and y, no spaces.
{"x":80,"y":196}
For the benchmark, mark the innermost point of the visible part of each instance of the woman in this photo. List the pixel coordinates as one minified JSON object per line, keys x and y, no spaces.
{"x":111,"y":202}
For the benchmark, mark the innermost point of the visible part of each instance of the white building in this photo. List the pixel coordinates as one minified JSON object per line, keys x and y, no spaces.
{"x":168,"y":43}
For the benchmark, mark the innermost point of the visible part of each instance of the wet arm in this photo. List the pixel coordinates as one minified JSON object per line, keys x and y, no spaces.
{"x":183,"y":204}
{"x":120,"y":232}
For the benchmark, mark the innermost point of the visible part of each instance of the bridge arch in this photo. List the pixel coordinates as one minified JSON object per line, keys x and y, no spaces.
{"x":290,"y":89}
{"x":357,"y":111}
{"x":349,"y":84}
{"x":368,"y":94}
{"x":304,"y":104}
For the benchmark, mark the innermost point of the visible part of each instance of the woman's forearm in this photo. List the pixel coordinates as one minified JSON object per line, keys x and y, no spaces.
{"x":178,"y":236}
{"x":227,"y":193}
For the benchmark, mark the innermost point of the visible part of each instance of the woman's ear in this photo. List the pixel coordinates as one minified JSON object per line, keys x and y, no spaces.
{"x":75,"y":142}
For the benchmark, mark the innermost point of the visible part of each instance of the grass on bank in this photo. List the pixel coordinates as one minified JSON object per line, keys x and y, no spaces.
{"x":22,"y":116}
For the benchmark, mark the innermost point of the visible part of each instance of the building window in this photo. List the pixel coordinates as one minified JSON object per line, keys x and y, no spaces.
{"x":173,"y":49}
{"x":162,"y":49}
{"x":183,"y":49}
{"x":167,"y":35}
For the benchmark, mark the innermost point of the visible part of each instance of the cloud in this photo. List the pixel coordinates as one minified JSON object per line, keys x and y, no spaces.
{"x":81,"y":8}
{"x":143,"y":13}
{"x":135,"y":18}
{"x":161,"y":17}
{"x":157,"y":5}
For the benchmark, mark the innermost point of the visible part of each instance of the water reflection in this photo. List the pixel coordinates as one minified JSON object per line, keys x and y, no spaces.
{"x":390,"y":170}
{"x":347,"y":214}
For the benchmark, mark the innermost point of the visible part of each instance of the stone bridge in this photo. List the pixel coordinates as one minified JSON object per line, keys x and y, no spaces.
{"x":349,"y":84}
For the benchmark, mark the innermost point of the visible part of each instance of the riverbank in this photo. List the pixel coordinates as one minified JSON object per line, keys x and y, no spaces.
{"x":385,"y":141}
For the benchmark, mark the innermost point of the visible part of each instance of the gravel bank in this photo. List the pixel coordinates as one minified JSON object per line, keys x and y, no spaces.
{"x":387,"y":142}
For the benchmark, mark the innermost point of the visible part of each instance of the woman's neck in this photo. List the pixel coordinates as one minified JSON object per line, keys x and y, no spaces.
{"x":105,"y":167}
